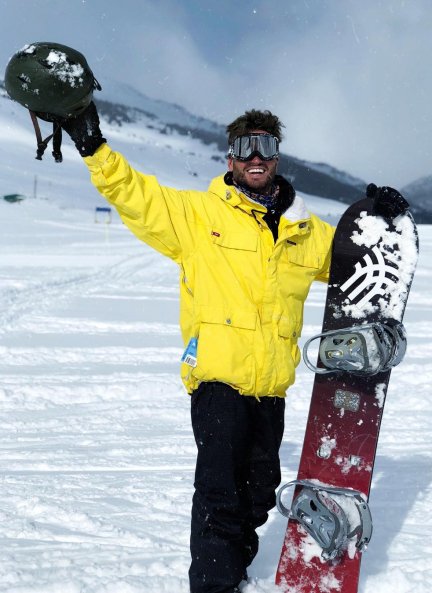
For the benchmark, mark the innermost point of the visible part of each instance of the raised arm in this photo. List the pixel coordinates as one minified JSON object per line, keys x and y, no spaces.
{"x":161,"y":216}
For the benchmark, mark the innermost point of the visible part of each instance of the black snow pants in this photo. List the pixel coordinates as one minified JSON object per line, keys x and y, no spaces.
{"x":238,"y":469}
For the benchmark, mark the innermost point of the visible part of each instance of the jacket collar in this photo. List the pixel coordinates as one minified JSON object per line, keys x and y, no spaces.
{"x":295,"y":212}
{"x":229,"y":194}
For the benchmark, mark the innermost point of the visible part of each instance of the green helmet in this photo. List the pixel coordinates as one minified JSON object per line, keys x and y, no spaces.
{"x":52,"y":80}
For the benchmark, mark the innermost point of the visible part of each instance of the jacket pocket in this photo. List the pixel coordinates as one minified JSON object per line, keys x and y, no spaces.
{"x":289,"y":329}
{"x":302,"y":257}
{"x":226,"y":346}
{"x":232,"y":240}
{"x":228,"y":317}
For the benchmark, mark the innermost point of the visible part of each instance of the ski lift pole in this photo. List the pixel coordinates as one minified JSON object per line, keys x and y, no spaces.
{"x":107,"y":211}
{"x":104,"y":210}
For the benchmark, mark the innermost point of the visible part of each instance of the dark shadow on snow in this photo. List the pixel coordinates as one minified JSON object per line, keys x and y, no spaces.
{"x":399,"y":484}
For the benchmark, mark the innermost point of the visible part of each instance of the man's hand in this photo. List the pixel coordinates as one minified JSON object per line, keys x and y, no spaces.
{"x":85,"y":131}
{"x":388,"y":202}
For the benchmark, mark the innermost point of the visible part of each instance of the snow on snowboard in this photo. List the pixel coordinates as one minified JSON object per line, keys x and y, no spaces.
{"x":329,"y":521}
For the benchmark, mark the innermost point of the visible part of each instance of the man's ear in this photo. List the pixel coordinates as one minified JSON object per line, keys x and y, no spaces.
{"x":230,"y":164}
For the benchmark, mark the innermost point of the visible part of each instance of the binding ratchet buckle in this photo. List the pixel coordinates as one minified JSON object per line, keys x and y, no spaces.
{"x":326,"y":513}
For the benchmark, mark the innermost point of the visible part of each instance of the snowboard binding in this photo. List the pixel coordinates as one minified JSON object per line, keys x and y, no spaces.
{"x":362,"y":349}
{"x":328,"y":514}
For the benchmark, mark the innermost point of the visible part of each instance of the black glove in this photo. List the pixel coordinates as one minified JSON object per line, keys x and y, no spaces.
{"x":388,"y":202}
{"x":85,"y":131}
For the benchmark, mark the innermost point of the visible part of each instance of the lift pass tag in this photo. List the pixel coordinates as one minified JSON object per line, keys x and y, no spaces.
{"x":190,"y":354}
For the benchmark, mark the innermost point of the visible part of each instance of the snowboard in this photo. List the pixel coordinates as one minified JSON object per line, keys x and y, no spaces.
{"x":373,"y":263}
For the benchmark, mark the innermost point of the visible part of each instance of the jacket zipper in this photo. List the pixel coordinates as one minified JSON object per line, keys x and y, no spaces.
{"x":257,"y":220}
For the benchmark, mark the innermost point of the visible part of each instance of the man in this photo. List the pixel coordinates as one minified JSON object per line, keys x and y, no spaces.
{"x":248,"y":251}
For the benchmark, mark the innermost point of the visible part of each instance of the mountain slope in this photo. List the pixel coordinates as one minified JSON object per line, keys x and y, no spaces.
{"x":124,"y":105}
{"x":163,"y":139}
{"x":419,"y":194}
{"x":157,"y":137}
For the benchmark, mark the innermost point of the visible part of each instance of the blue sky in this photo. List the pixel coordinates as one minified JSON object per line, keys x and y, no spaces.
{"x":350,"y":79}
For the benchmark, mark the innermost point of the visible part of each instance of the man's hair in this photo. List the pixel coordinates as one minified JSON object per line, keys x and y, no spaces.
{"x":255,"y":120}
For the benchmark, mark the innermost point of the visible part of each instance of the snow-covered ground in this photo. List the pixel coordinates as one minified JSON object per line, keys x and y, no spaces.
{"x":96,"y":450}
{"x":97,"y":454}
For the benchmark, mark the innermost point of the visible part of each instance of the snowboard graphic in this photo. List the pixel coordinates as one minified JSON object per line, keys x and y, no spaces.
{"x":330,"y":523}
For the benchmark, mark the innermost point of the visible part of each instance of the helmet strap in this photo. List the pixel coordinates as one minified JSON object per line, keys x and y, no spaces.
{"x":57,"y":140}
{"x":42,"y":144}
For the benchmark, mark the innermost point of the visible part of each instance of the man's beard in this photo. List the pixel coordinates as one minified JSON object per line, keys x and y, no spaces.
{"x":265,"y":187}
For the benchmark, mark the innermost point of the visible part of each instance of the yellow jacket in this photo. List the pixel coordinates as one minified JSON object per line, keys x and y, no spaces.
{"x":241,"y":294}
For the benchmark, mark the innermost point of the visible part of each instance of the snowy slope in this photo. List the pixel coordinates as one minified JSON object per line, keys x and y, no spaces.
{"x":97,"y":454}
{"x":156,"y":140}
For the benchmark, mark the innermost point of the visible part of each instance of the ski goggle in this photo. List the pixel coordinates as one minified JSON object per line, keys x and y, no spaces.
{"x":244,"y":148}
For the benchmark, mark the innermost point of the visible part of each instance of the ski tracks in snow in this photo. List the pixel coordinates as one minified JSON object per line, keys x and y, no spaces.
{"x":93,"y":496}
{"x":96,"y":450}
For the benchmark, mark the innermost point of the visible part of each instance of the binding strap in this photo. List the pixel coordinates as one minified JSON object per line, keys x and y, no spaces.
{"x":42,"y":144}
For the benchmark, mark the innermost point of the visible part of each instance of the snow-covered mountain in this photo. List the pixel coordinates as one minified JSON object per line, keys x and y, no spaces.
{"x":164,"y":139}
{"x":123,"y":104}
{"x":158,"y":137}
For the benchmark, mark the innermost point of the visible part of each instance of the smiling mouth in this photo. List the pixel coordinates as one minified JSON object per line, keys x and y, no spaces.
{"x":256,"y":170}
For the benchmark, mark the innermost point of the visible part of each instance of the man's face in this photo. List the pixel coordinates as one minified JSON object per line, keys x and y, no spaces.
{"x":256,"y":174}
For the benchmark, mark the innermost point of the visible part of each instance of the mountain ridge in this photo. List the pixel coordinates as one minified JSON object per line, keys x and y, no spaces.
{"x":123,"y":105}
{"x":119,"y":105}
